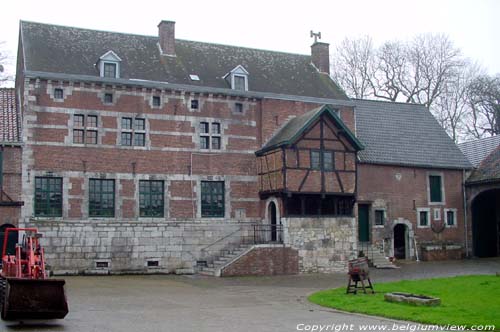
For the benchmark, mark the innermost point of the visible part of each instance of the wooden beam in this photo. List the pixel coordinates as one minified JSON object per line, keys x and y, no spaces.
{"x":304,"y":180}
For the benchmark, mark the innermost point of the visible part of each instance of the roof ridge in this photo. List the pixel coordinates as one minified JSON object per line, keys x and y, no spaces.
{"x":481,"y":139}
{"x":388,"y":102}
{"x":177,"y":39}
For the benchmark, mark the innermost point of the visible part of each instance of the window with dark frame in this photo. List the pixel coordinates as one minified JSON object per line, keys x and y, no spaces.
{"x":379,"y":217}
{"x":108,"y":98}
{"x":450,"y":218}
{"x":436,"y":194}
{"x":327,"y":160}
{"x":322,"y":160}
{"x":239,"y":82}
{"x":110,"y":70}
{"x":151,"y":198}
{"x":210,"y":136}
{"x":424,"y":218}
{"x":238,"y":107}
{"x":133,"y":132}
{"x":212,"y":199}
{"x":101,"y":198}
{"x":85,"y":129}
{"x":48,"y":197}
{"x":156,"y":101}
{"x":315,"y":159}
{"x":313,"y":205}
{"x":58,"y":93}
{"x":194,"y":104}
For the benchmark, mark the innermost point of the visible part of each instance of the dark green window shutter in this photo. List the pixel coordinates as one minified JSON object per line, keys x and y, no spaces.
{"x":435,"y":188}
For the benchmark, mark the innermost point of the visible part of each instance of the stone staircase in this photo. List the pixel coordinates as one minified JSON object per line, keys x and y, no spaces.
{"x":376,"y":257}
{"x":226,"y":257}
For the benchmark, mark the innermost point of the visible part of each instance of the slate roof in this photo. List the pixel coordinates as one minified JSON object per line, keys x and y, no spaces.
{"x":9,"y":122}
{"x":406,"y":135}
{"x":75,"y":51}
{"x":488,"y":170}
{"x":479,"y":149}
{"x":291,"y":131}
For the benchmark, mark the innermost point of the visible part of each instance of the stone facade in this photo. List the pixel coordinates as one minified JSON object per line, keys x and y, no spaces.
{"x":324,"y":244}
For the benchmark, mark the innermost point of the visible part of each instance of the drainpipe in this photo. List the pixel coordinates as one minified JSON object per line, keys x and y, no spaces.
{"x":465,"y":215}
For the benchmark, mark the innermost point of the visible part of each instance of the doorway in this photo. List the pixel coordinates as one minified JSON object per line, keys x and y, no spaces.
{"x":364,"y":223}
{"x":486,"y":224}
{"x":400,"y":237}
{"x":273,"y":221}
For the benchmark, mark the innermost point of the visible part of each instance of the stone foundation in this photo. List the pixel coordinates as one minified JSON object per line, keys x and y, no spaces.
{"x":324,"y":244}
{"x":114,"y":247}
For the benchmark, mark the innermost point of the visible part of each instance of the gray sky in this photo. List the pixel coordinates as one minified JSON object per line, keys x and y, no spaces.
{"x":275,"y":25}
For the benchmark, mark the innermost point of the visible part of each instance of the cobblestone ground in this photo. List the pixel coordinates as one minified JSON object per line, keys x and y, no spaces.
{"x":194,"y":303}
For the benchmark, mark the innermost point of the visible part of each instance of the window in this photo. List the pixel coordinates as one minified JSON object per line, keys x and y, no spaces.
{"x":239,"y":82}
{"x":318,"y":159}
{"x":101,"y":198}
{"x":451,"y":217}
{"x":156,"y":101}
{"x":85,"y":129}
{"x":110,"y":70}
{"x":212,"y":199}
{"x":58,"y":93}
{"x":327,"y":160}
{"x":48,"y":197}
{"x":108,"y":98}
{"x":133,"y":132}
{"x":315,"y":159}
{"x":210,"y":135}
{"x":379,"y":217}
{"x":318,"y":205}
{"x":423,"y":217}
{"x":151,"y":198}
{"x":238,"y":108}
{"x":194,"y":104}
{"x":435,"y":192}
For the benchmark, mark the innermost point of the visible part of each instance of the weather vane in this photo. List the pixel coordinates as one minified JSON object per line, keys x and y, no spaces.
{"x":316,"y":36}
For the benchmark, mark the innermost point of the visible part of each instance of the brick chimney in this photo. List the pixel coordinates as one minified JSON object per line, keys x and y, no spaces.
{"x":320,"y":54}
{"x":166,"y":34}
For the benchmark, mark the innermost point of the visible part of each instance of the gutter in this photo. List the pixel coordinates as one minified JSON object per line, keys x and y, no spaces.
{"x":184,"y":87}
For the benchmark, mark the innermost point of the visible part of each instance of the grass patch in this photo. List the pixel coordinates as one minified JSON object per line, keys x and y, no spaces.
{"x":465,"y":300}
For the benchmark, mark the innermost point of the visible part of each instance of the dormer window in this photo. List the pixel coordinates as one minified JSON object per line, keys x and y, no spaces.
{"x":109,"y":65}
{"x":238,"y":78}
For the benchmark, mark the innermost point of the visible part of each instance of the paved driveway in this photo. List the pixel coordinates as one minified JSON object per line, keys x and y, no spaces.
{"x":193,"y":303}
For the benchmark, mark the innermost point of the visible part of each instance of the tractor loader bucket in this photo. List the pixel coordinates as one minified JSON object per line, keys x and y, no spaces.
{"x":26,"y":299}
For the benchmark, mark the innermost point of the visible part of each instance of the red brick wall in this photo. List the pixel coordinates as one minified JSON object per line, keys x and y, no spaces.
{"x":11,"y":185}
{"x":264,"y":261}
{"x":378,"y":184}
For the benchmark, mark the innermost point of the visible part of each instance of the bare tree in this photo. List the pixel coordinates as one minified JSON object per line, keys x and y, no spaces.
{"x":5,"y":60}
{"x":484,"y":100}
{"x":452,"y":107}
{"x":352,"y":66}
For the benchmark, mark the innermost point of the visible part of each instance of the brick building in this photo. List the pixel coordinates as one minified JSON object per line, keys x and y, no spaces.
{"x":10,"y":162}
{"x":154,"y":154}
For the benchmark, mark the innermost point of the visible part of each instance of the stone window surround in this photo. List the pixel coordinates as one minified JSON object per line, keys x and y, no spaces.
{"x":384,"y":211}
{"x":220,"y":135}
{"x":52,"y":86}
{"x":443,"y":196}
{"x":454,"y":211}
{"x":109,"y":57}
{"x":428,"y":210}
{"x":85,"y":128}
{"x":227,"y":197}
{"x":133,"y":131}
{"x":436,"y":214}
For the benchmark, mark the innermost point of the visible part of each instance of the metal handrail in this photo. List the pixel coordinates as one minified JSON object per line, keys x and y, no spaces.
{"x":221,"y":239}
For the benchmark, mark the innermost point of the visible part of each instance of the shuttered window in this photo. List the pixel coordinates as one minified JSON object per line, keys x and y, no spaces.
{"x":436,"y":194}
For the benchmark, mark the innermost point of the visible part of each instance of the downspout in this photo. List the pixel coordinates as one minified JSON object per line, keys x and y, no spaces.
{"x":466,"y":226}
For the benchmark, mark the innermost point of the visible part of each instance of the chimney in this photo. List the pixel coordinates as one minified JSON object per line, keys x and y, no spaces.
{"x":320,"y":54}
{"x":166,"y":34}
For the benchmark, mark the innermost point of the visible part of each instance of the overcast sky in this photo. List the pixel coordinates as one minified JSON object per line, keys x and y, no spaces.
{"x":275,"y":25}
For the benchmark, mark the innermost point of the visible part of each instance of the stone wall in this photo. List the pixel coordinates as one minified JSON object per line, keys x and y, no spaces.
{"x":264,"y":260}
{"x":86,"y":246}
{"x":324,"y":244}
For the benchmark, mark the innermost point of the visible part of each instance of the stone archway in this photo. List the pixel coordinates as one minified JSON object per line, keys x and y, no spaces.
{"x":485,"y":208}
{"x":273,"y":219}
{"x":402,"y":225}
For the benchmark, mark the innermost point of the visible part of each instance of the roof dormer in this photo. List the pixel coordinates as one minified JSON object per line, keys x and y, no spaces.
{"x":238,"y":78}
{"x":109,"y":65}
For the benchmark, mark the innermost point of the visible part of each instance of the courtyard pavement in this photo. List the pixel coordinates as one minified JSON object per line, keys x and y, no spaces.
{"x":196,"y":303}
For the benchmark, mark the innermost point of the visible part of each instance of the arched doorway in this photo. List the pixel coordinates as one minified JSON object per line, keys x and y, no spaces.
{"x":400,"y":241}
{"x":273,"y":221}
{"x":486,"y":223}
{"x":11,"y":241}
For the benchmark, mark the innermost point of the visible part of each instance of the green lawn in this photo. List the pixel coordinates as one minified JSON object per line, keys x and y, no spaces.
{"x":465,"y":300}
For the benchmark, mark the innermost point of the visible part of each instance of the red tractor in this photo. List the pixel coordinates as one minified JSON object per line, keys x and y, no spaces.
{"x":25,"y":290}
